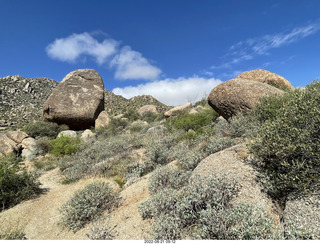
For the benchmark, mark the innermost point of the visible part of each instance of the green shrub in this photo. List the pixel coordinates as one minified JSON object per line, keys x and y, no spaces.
{"x":43,"y":146}
{"x":150,"y":117}
{"x":101,"y":231}
{"x":16,"y":235}
{"x":237,"y":126}
{"x":116,"y":126}
{"x":87,"y":204}
{"x":168,"y":177}
{"x":287,"y":141}
{"x":46,"y":163}
{"x":65,"y":145}
{"x":219,"y":144}
{"x":193,"y":122}
{"x":177,"y":212}
{"x":242,"y":222}
{"x":16,"y":184}
{"x":132,"y":115}
{"x":95,"y":159}
{"x":44,"y":129}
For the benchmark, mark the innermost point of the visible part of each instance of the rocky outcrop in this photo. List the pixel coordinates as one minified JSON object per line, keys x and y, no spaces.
{"x":88,"y":135}
{"x":147,"y":109}
{"x":17,"y":142}
{"x":67,"y":133}
{"x":267,"y":77}
{"x":7,"y":146}
{"x":102,"y":121}
{"x":77,"y":100}
{"x":230,"y":165}
{"x":239,"y":96}
{"x":29,"y":146}
{"x":178,"y":110}
{"x":21,"y":99}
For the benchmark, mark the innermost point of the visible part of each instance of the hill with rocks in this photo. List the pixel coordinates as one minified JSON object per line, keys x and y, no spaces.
{"x":22,"y":99}
{"x":246,"y":170}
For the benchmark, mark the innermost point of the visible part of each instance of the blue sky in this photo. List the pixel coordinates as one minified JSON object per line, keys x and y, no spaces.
{"x":175,"y":50}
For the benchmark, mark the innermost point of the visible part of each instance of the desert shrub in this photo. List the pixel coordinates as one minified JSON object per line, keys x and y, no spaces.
{"x":237,"y":126}
{"x":46,"y":163}
{"x":168,"y":177}
{"x":136,"y":128}
{"x":159,"y":150}
{"x":219,"y":144}
{"x":193,"y":122}
{"x":189,"y":159}
{"x":177,"y":212}
{"x":241,"y":222}
{"x":87,"y":204}
{"x":116,"y":126}
{"x":99,"y":158}
{"x":132,"y":115}
{"x":16,"y":184}
{"x":15,"y":235}
{"x":150,"y":117}
{"x":44,"y":129}
{"x":101,"y":231}
{"x":65,"y":145}
{"x":287,"y":142}
{"x":43,"y":146}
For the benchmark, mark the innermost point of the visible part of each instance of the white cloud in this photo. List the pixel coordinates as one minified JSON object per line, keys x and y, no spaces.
{"x":172,"y":91}
{"x":71,"y":48}
{"x":130,"y":64}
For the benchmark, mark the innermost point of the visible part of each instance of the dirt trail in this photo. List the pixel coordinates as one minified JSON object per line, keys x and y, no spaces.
{"x":39,"y":218}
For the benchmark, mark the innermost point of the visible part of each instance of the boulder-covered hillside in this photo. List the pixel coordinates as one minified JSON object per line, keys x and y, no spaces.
{"x":22,"y":99}
{"x":242,"y":164}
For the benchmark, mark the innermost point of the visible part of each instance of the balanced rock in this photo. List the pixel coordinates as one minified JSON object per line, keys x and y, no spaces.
{"x":102,"y":121}
{"x":77,"y":100}
{"x":178,"y":110}
{"x":146,"y":109}
{"x":267,"y":77}
{"x":239,"y":96}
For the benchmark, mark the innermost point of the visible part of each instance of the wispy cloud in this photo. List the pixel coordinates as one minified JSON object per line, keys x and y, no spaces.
{"x":172,"y":91}
{"x":128,"y":64}
{"x":258,"y":46}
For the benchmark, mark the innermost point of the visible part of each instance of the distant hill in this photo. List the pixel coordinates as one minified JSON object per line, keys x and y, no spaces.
{"x":21,"y":100}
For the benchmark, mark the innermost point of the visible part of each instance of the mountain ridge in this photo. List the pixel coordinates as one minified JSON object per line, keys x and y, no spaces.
{"x":21,"y":100}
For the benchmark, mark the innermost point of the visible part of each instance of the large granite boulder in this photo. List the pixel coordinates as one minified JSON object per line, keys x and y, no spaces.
{"x":77,"y":100}
{"x":178,"y":110}
{"x":267,"y":77}
{"x":146,"y":109}
{"x":239,"y":96}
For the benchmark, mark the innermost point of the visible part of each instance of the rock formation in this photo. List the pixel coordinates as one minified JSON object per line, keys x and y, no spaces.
{"x":238,"y":96}
{"x":102,"y":121}
{"x":179,"y":109}
{"x":267,"y":77}
{"x":77,"y":100}
{"x":147,"y":109}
